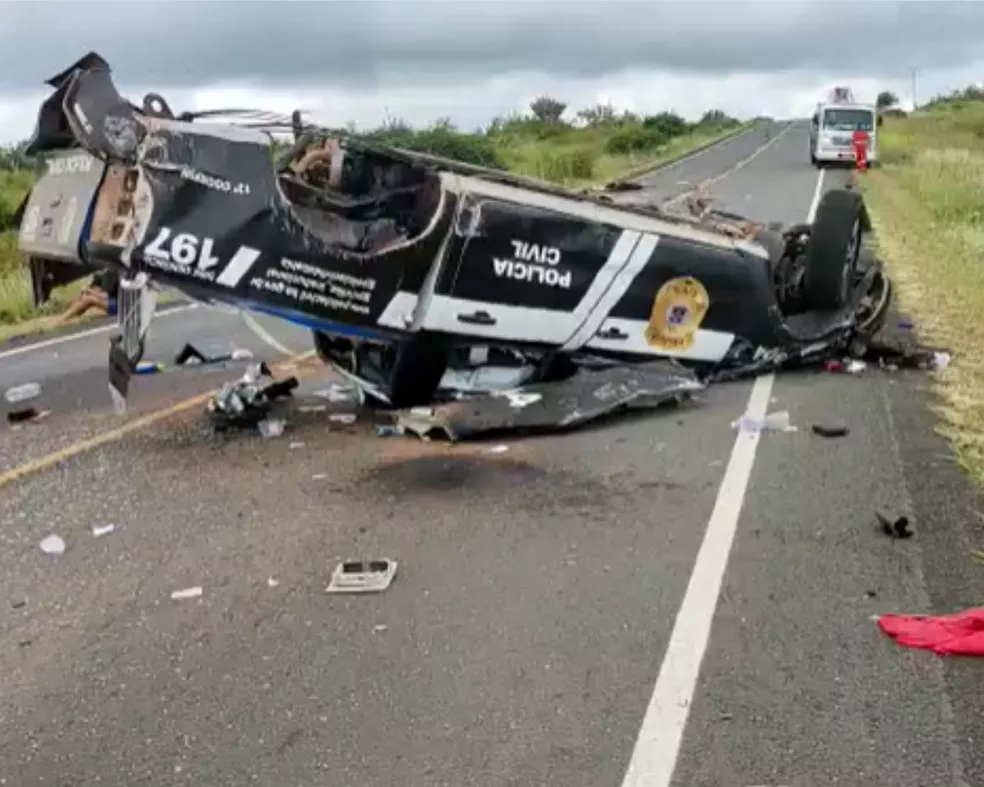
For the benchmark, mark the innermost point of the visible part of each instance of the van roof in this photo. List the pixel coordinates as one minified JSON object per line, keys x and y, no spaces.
{"x":825,"y":105}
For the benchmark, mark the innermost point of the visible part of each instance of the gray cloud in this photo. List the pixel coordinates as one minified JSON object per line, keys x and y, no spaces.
{"x":354,"y":44}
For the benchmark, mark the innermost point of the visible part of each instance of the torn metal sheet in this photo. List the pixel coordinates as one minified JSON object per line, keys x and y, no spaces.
{"x":587,"y":395}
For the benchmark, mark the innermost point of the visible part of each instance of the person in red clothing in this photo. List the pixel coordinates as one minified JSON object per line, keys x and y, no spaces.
{"x":860,"y":141}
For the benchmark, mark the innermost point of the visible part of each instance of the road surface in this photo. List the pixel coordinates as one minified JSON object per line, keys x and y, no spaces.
{"x":647,"y":602}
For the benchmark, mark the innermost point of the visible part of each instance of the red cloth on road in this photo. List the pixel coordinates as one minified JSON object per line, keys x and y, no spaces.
{"x":961,"y":634}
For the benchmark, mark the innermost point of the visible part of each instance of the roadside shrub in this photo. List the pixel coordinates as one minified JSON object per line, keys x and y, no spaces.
{"x":669,"y":124}
{"x":13,"y":187}
{"x":441,"y":139}
{"x":635,"y":139}
{"x":720,"y":118}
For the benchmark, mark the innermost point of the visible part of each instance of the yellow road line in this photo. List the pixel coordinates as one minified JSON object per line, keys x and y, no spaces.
{"x":49,"y":460}
{"x":732,"y":170}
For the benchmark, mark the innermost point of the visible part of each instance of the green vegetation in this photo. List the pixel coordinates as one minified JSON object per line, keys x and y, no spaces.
{"x":927,"y":201}
{"x":597,"y":144}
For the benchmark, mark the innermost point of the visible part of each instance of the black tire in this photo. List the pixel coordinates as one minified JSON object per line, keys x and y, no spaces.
{"x":832,"y":253}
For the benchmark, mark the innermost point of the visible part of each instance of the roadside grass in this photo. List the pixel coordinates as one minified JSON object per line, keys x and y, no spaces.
{"x":927,"y":204}
{"x":583,"y":157}
{"x":602,"y":146}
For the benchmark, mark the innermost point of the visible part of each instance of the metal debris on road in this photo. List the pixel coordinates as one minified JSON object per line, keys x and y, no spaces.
{"x":102,"y":530}
{"x":586,"y":395}
{"x":18,"y":396}
{"x":53,"y":545}
{"x":187,"y":593}
{"x":337,"y":393}
{"x":248,"y":401}
{"x":904,"y":354}
{"x":894,"y":526}
{"x":362,"y":576}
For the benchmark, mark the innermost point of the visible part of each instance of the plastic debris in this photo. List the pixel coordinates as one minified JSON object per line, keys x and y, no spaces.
{"x":389,"y":430}
{"x":272,"y":582}
{"x":102,"y":530}
{"x":319,"y":476}
{"x":22,"y":393}
{"x":337,"y":392}
{"x":362,"y":576}
{"x":773,"y":422}
{"x":241,"y":355}
{"x":271,"y":427}
{"x":940,"y":361}
{"x":296,"y":444}
{"x":187,"y":593}
{"x":53,"y":545}
{"x":147,"y":367}
{"x":894,"y":526}
{"x":834,"y":429}
{"x":849,"y":366}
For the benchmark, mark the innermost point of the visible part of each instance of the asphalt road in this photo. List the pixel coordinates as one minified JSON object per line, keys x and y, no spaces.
{"x":556,"y":617}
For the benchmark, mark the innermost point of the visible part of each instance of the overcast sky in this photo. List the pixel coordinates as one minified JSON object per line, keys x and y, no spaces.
{"x":472,"y":60}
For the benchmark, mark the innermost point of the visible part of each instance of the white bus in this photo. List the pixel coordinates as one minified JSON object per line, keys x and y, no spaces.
{"x":832,"y":127}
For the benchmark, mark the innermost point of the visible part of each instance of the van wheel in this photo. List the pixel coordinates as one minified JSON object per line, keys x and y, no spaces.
{"x":833,"y":250}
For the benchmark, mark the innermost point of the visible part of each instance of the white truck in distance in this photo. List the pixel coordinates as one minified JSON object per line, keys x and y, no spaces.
{"x":831,"y":130}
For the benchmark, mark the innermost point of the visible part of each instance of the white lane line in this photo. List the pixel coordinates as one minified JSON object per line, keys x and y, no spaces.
{"x":264,"y":335}
{"x":657,"y":747}
{"x":83,"y":334}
